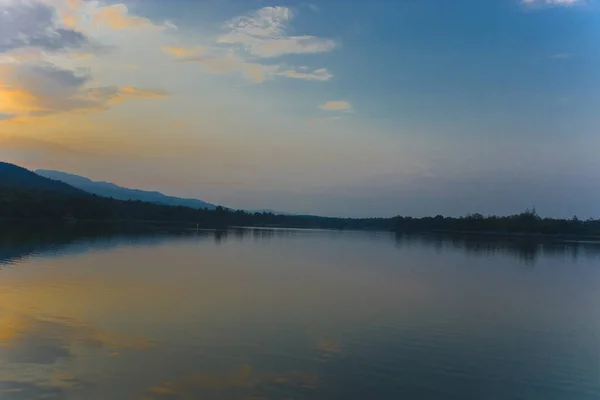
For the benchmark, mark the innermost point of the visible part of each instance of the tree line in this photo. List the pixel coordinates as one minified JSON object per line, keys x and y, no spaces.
{"x":52,"y":205}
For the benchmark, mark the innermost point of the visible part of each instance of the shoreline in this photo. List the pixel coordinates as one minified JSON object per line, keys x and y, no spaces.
{"x":190,"y":225}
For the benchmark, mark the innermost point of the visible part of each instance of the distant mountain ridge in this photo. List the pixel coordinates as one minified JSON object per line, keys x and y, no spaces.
{"x":15,"y":177}
{"x":106,"y":189}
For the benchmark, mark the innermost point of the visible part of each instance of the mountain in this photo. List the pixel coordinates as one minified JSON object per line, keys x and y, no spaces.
{"x":111,"y":190}
{"x":15,"y":177}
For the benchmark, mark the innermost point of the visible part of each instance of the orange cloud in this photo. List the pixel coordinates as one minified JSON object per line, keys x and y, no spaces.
{"x":132,"y":92}
{"x":16,"y":101}
{"x":36,"y":90}
{"x":76,"y":13}
{"x":117,"y":18}
{"x":338,"y":105}
{"x":215,"y":60}
{"x":321,"y":74}
{"x":69,"y":13}
{"x":183,"y":51}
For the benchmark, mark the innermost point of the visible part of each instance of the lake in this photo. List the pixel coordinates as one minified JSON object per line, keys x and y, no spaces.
{"x":258,"y":314}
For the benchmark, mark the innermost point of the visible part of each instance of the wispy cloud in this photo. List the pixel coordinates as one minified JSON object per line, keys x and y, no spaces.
{"x":337,"y":105}
{"x":228,"y":62}
{"x":179,"y":51}
{"x":561,"y":56}
{"x":564,"y":3}
{"x":225,"y":61}
{"x":113,"y":94}
{"x":263,"y":34}
{"x":248,"y":40}
{"x":321,"y":74}
{"x":339,"y":109}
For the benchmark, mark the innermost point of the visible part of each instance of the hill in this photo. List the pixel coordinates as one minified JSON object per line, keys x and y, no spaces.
{"x":106,"y":189}
{"x":15,"y":177}
{"x":25,"y":195}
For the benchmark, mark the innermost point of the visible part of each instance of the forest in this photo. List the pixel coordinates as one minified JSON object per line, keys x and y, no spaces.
{"x":34,"y":204}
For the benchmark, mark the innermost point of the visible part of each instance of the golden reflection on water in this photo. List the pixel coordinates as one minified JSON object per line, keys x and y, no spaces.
{"x":69,"y":324}
{"x":192,"y":318}
{"x":246,"y":378}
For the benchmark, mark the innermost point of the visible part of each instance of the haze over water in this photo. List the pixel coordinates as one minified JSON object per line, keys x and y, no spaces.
{"x":284,"y":314}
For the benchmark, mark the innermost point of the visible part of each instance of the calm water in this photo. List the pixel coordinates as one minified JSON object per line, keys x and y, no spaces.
{"x":259,"y":314}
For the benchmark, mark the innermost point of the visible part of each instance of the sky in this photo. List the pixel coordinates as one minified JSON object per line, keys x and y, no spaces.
{"x":328,"y":107}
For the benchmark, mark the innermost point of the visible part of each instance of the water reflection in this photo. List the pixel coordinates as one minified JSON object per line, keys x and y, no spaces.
{"x":38,"y":353}
{"x":237,"y":384}
{"x":20,"y":241}
{"x":527,"y":250}
{"x":90,"y":312}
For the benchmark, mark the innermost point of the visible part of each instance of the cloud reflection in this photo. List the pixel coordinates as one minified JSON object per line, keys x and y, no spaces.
{"x":236,"y":321}
{"x":244,"y":384}
{"x":36,"y":354}
{"x":527,"y":250}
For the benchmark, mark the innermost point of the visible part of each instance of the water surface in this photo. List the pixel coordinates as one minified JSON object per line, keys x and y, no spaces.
{"x":284,"y":314}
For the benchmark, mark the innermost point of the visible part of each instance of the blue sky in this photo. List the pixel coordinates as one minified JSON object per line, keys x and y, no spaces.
{"x":350,"y":108}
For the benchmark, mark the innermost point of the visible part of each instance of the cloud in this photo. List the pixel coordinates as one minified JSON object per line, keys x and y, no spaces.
{"x":132,"y":92}
{"x":230,"y":62}
{"x":42,"y":89}
{"x":341,"y":107}
{"x":215,"y":60}
{"x":337,"y":105}
{"x":258,"y":36}
{"x":184,"y":51}
{"x":31,"y":88}
{"x":32,"y":24}
{"x":263,"y":34}
{"x":117,"y":17}
{"x":561,"y":56}
{"x":564,"y":3}
{"x":321,"y":74}
{"x":80,"y":13}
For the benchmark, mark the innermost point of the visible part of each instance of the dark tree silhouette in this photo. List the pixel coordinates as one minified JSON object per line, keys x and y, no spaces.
{"x":24,"y":203}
